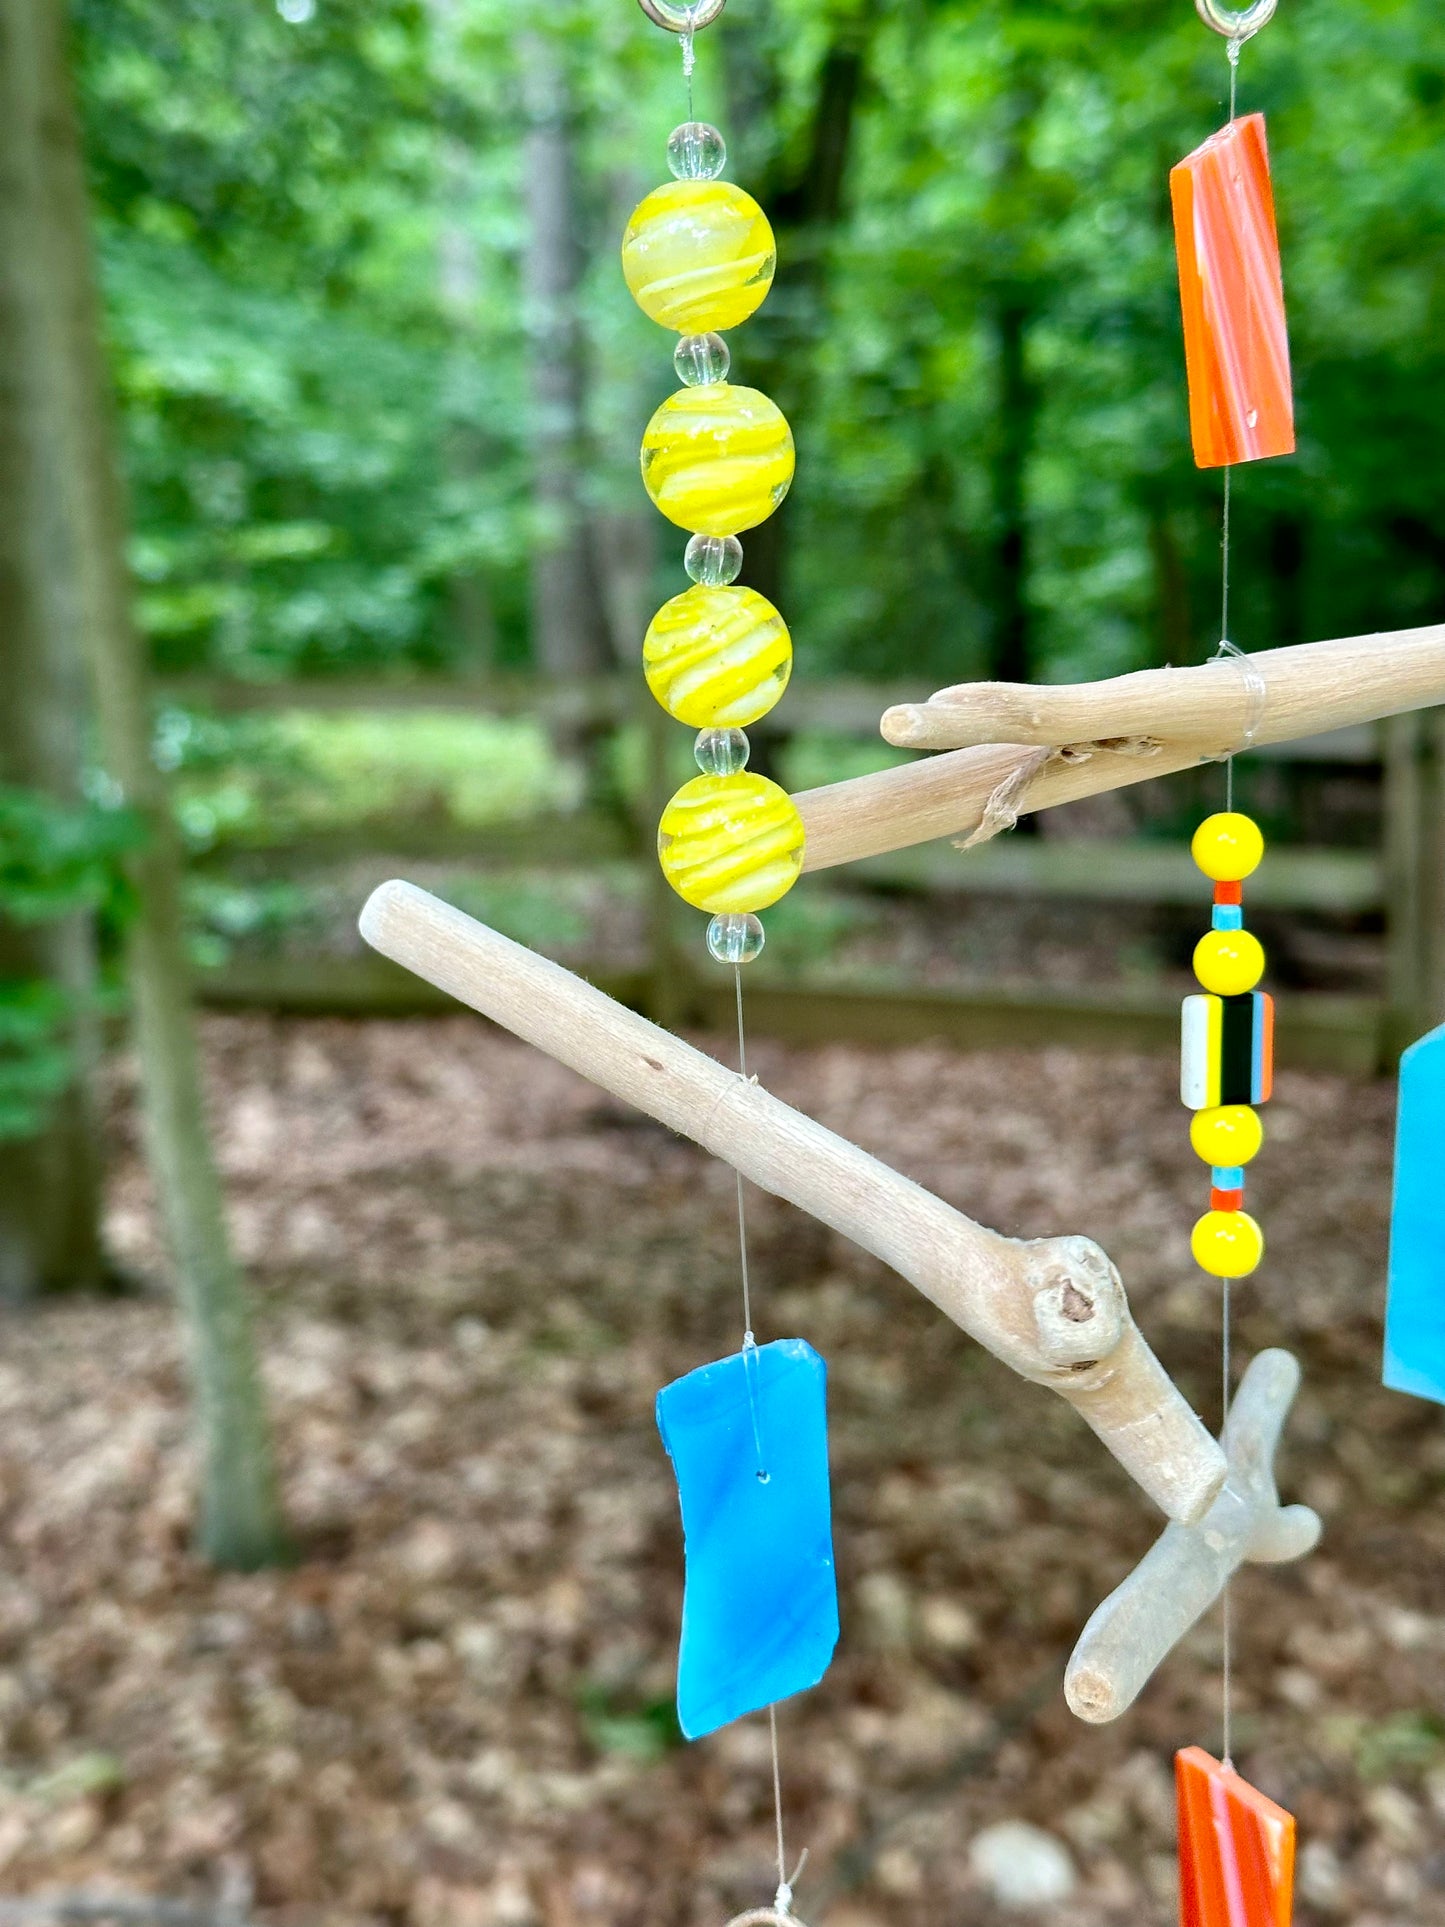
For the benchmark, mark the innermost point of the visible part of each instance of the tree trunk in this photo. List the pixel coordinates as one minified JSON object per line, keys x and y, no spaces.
{"x":49,"y":1181}
{"x":1014,"y":440}
{"x":1288,"y":539}
{"x":805,"y":206}
{"x":569,"y":629}
{"x":240,"y":1523}
{"x":1173,"y":622}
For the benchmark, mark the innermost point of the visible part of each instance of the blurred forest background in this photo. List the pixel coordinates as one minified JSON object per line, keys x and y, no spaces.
{"x":369,"y":602}
{"x":381,"y":390}
{"x":372,"y":592}
{"x":379,"y":373}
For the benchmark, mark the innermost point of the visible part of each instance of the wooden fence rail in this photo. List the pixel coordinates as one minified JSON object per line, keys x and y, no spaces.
{"x":1403,"y":880}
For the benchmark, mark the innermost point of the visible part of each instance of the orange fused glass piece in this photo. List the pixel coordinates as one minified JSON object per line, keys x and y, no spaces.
{"x":1236,"y":1848}
{"x":1236,"y":347}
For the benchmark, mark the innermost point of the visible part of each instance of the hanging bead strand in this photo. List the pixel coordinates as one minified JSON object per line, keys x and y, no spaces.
{"x":1227,"y":1064}
{"x":717,"y":459}
{"x":760,"y":1614}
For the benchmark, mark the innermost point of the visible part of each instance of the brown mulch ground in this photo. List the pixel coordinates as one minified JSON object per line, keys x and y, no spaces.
{"x":474,"y":1272}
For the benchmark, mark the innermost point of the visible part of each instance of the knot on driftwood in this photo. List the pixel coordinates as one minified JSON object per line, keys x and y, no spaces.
{"x":1109,"y":746}
{"x":1079,"y":1306}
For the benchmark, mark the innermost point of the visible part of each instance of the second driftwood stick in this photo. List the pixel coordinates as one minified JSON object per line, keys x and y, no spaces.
{"x":1032,"y":747}
{"x":1052,"y":1308}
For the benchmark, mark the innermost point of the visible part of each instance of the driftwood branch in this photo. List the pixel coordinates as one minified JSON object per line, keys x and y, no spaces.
{"x":1187,"y":1568}
{"x":1053,"y":1308}
{"x":1103,"y":736}
{"x":1272,"y":696}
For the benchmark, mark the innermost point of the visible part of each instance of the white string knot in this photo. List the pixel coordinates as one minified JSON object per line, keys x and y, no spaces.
{"x":783,"y":1899}
{"x":1255,"y":693}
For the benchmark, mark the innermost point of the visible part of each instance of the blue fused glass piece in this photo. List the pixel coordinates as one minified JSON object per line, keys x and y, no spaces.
{"x":1227,"y":916}
{"x":748,"y":1440}
{"x":1415,"y":1308}
{"x":1227,"y":1177}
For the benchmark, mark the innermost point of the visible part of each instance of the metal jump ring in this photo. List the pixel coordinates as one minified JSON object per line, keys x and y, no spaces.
{"x":664,"y":13}
{"x":1236,"y":26}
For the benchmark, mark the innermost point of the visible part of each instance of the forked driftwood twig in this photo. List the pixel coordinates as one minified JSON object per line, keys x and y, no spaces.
{"x":1187,"y":1568}
{"x":1051,"y":1308}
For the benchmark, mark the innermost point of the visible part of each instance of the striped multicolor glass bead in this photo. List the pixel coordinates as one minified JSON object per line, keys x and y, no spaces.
{"x":730,"y":843}
{"x":1227,"y":1054}
{"x":698,"y":256}
{"x":1227,"y":1048}
{"x":717,"y":658}
{"x":717,"y":459}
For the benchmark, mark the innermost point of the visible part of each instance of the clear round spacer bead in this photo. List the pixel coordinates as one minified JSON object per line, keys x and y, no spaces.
{"x":701,"y":360}
{"x":735,"y":937}
{"x":721,"y":752}
{"x":696,"y":151}
{"x":713,"y":559}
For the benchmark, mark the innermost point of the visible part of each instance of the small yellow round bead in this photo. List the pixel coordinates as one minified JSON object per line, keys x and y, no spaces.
{"x":1227,"y":1244}
{"x":731,"y":842}
{"x":1227,"y":1134}
{"x":717,"y":658}
{"x":1228,"y":846}
{"x":1228,"y":962}
{"x":717,"y":459}
{"x":698,"y":256}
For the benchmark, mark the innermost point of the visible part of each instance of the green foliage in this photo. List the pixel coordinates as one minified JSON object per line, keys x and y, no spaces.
{"x":815,"y":757}
{"x":546,"y":913}
{"x":1405,"y":1746}
{"x":806,"y":929}
{"x":642,"y":1730}
{"x":85,"y":1776}
{"x":313,"y":239}
{"x":250,"y":779}
{"x":222,"y":911}
{"x":35,"y":1060}
{"x":54,"y":860}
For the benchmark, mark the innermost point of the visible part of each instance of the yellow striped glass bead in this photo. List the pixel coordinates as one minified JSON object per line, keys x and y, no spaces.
{"x":1226,"y":1134}
{"x":717,"y":459}
{"x":1228,"y":846}
{"x":698,"y":255}
{"x":717,"y":658}
{"x":730,"y":843}
{"x":1228,"y":962}
{"x":1227,"y":1244}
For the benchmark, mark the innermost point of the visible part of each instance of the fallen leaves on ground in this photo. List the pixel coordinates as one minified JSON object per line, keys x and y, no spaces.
{"x":473,"y":1272}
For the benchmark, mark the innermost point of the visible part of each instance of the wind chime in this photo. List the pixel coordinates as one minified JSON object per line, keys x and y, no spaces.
{"x":1236,"y":1846}
{"x":747,"y":1434}
{"x":759,"y":1610}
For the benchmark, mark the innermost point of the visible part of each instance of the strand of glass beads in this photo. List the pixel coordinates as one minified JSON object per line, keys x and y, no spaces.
{"x":717,"y":458}
{"x":1227,"y":1056}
